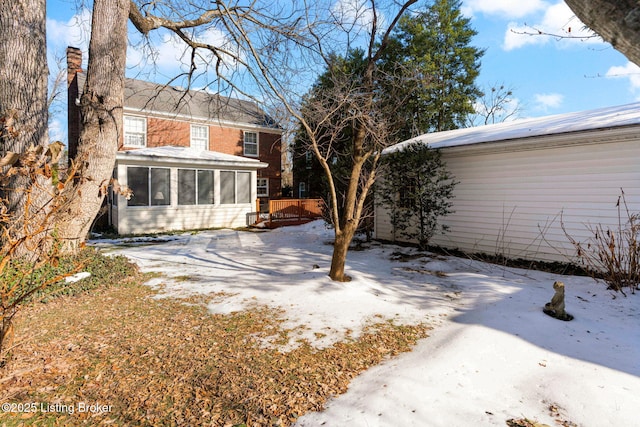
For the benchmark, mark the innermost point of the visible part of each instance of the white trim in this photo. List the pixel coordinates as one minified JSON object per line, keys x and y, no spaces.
{"x":125,"y":133}
{"x":266,"y":187}
{"x":244,"y":143}
{"x":210,"y":121}
{"x":202,"y":143}
{"x":557,"y":127}
{"x":168,"y":155}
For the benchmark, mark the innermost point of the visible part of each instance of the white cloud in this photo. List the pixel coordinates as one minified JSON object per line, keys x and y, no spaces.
{"x":75,"y":32}
{"x":57,"y":129}
{"x":557,"y":20}
{"x":629,"y":71}
{"x":546,"y":101}
{"x":504,"y":8}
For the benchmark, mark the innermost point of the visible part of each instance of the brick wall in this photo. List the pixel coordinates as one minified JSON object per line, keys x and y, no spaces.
{"x":226,"y":140}
{"x":161,"y":132}
{"x":270,"y":152}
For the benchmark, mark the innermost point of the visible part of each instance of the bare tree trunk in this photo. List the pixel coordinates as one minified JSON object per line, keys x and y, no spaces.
{"x":616,"y":21}
{"x":101,"y":109}
{"x":23,"y":102}
{"x":23,"y":82}
{"x":347,"y":224}
{"x":340,"y":249}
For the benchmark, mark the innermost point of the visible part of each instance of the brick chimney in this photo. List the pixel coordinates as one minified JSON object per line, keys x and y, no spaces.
{"x":74,"y":67}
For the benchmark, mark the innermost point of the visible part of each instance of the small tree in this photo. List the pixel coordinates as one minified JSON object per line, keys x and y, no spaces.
{"x":31,"y":228}
{"x":417,"y":189}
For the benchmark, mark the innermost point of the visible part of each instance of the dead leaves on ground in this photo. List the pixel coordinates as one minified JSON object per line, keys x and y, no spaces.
{"x":163,"y":362}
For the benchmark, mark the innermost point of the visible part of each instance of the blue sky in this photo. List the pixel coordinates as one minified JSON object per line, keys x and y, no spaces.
{"x":548,"y":75}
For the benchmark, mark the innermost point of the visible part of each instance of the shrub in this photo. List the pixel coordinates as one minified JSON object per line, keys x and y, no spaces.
{"x":417,"y":189}
{"x":613,"y":255}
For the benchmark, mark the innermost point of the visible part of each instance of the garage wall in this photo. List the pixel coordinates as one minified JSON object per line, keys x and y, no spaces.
{"x":511,"y":194}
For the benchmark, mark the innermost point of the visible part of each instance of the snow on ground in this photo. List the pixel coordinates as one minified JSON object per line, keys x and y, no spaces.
{"x":492,"y":355}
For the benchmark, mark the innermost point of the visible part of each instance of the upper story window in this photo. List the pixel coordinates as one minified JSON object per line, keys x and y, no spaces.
{"x":308,"y":159}
{"x":250,"y":143}
{"x":135,"y":131}
{"x":200,"y":137}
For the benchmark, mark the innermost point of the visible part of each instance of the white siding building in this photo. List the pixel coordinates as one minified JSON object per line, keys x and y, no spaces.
{"x":176,"y":188}
{"x":519,"y":180}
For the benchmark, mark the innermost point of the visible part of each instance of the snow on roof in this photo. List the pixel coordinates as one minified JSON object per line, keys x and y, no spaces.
{"x":602,"y":118}
{"x":187,"y":155}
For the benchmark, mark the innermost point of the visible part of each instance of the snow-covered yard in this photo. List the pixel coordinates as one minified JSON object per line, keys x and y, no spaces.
{"x":492,"y":355}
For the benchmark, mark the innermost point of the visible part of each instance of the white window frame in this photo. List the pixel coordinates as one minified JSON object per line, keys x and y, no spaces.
{"x":250,"y":143}
{"x":308,"y":159}
{"x":196,"y":187}
{"x":129,"y":132}
{"x":302,"y":190}
{"x":199,"y":142}
{"x":236,"y":190}
{"x":264,"y":187}
{"x":151,"y":196}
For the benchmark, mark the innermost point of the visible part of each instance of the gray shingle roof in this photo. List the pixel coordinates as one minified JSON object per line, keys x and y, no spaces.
{"x":193,"y":104}
{"x":150,"y":97}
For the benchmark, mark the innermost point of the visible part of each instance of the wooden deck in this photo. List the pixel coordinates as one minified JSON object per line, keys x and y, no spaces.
{"x":290,"y":212}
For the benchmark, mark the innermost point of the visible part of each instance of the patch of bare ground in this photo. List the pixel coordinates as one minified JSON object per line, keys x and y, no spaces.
{"x":148,"y":361}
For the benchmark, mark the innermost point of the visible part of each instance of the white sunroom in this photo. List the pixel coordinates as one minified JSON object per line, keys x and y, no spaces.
{"x":178,"y":188}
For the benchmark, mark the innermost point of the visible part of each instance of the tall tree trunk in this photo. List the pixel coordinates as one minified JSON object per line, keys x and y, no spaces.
{"x":23,"y":104}
{"x":616,"y":21}
{"x":347,"y":225}
{"x":340,"y":249}
{"x":101,"y":106}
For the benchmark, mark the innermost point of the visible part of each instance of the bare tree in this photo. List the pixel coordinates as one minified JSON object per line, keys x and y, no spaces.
{"x":352,"y":103}
{"x":275,"y":47}
{"x":271,"y":48}
{"x":101,"y":106}
{"x":497,"y":105}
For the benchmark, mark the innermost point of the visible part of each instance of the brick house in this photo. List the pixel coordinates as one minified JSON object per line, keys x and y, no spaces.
{"x":157,"y":116}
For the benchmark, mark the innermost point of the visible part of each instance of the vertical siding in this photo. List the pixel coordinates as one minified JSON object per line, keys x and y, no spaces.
{"x":511,"y":203}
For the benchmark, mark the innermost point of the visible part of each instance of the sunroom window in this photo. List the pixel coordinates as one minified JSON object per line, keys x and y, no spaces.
{"x":150,"y":186}
{"x":195,"y":187}
{"x":235,"y":187}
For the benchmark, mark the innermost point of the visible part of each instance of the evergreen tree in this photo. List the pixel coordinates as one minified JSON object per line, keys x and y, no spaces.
{"x":427,"y":75}
{"x":417,"y":190}
{"x":307,"y":169}
{"x":436,"y":44}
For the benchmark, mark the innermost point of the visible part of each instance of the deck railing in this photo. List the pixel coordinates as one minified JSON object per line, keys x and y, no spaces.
{"x":293,"y":210}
